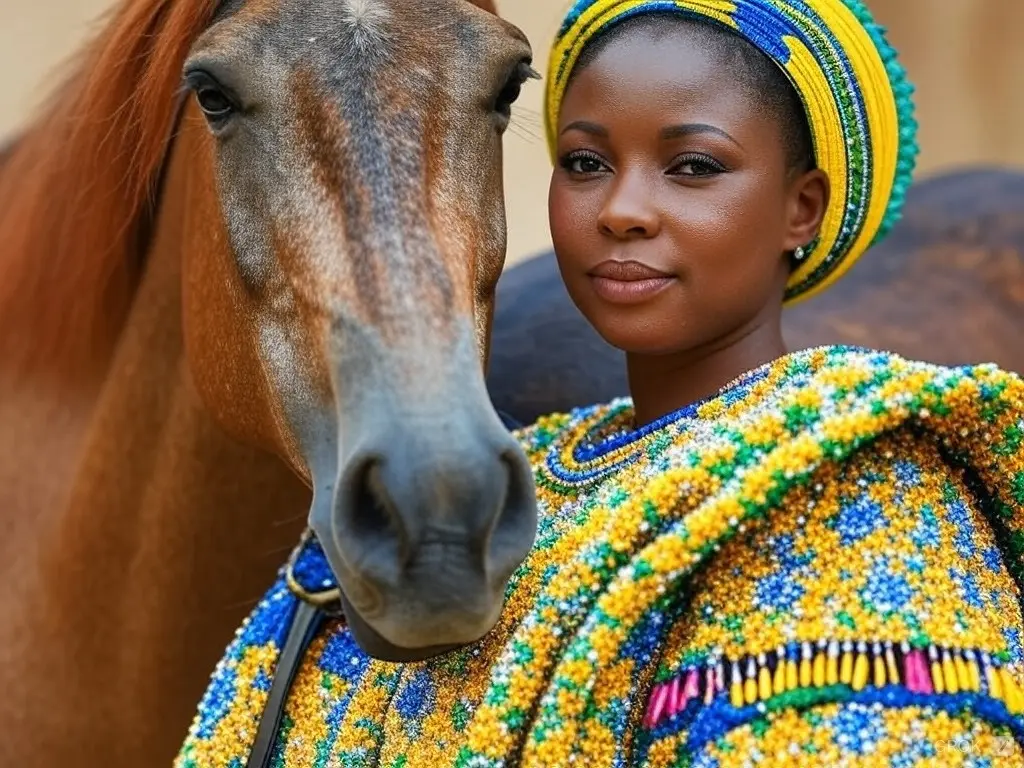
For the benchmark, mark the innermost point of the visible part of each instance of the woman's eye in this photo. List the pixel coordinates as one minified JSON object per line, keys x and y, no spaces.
{"x":696,"y":166}
{"x":582,"y":164}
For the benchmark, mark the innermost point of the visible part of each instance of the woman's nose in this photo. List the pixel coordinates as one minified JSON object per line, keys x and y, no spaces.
{"x":629,"y":210}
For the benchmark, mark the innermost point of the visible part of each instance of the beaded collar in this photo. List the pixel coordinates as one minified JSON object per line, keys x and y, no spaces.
{"x":597,"y":441}
{"x":613,"y":431}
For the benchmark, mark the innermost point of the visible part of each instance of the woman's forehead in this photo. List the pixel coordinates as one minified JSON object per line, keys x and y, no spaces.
{"x":665,"y":74}
{"x":675,"y":57}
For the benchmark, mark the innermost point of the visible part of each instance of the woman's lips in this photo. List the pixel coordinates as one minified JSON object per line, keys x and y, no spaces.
{"x":628,"y":282}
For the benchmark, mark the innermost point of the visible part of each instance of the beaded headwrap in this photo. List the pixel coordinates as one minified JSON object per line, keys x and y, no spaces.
{"x":854,"y":91}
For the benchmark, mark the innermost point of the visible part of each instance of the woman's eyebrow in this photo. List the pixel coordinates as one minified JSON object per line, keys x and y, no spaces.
{"x":586,"y":127}
{"x":671,"y":132}
{"x":689,"y":129}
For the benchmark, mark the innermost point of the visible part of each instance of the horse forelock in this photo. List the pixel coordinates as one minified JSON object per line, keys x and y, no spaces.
{"x":366,"y":20}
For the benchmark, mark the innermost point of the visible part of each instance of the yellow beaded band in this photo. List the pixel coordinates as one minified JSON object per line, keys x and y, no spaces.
{"x":854,"y":91}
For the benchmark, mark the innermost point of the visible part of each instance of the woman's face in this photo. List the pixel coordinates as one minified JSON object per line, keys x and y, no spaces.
{"x":670,"y":205}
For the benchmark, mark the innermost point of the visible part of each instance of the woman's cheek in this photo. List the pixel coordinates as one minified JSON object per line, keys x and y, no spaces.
{"x":570,"y":220}
{"x":559,"y":216}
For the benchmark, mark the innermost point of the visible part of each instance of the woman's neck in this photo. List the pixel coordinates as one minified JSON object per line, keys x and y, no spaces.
{"x":661,"y":384}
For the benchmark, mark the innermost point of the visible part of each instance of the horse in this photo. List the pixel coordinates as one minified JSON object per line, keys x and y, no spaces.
{"x":249,"y":255}
{"x":946,"y":286}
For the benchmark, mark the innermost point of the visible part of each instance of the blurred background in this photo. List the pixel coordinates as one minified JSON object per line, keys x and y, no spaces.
{"x":964,"y":56}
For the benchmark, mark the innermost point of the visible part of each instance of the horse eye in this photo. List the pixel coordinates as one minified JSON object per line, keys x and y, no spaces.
{"x":217,"y":105}
{"x":214,"y":103}
{"x":513,"y":87}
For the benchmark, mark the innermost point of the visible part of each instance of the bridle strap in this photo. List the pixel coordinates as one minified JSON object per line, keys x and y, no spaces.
{"x":304,"y":627}
{"x":313,"y":608}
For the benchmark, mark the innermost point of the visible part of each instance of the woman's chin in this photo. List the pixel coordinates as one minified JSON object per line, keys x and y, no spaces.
{"x":635,"y":336}
{"x":654,"y":326}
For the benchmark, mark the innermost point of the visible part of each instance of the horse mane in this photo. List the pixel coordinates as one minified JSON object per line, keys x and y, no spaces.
{"x":77,"y":188}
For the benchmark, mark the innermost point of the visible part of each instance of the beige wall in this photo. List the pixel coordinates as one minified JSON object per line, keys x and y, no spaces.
{"x":964,"y":56}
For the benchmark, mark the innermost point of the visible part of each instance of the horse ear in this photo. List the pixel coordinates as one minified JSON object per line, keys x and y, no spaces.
{"x":488,"y":5}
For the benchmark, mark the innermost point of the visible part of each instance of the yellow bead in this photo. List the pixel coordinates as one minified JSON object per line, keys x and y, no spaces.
{"x":750,"y":690}
{"x":764,"y":683}
{"x":963,"y":676}
{"x":995,"y":683}
{"x":860,"y":672}
{"x":890,"y":667}
{"x":736,"y":693}
{"x":792,"y":681}
{"x":879,"y":669}
{"x":1012,"y":694}
{"x":832,"y":670}
{"x":975,"y":673}
{"x":949,"y":674}
{"x":846,"y":668}
{"x":938,"y":682}
{"x":819,"y":669}
{"x":806,"y":674}
{"x":779,"y":684}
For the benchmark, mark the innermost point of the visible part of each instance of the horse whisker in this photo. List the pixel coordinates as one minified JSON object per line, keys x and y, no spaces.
{"x":524,"y":133}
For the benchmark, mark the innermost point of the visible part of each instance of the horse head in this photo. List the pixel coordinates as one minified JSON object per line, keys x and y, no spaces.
{"x":339,"y":288}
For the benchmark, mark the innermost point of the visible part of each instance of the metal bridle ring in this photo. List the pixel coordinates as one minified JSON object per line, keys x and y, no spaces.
{"x":321,"y":598}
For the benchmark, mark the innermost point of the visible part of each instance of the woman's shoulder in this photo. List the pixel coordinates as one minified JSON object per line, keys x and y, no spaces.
{"x":839,"y":355}
{"x":824,"y":394}
{"x":826,"y":359}
{"x":845,"y":379}
{"x":833,"y":399}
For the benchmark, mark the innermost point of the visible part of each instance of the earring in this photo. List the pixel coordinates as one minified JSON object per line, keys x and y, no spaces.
{"x":798,"y":253}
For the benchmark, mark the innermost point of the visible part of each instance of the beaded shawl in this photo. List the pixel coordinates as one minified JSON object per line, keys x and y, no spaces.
{"x":854,"y":91}
{"x":822,"y":562}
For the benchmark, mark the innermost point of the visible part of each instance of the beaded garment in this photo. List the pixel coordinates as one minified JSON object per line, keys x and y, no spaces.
{"x":820,"y":565}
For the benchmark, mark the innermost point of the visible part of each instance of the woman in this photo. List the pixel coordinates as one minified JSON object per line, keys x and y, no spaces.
{"x":762,"y":557}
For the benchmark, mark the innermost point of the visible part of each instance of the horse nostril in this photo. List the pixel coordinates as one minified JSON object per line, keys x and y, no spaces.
{"x":516,"y":526}
{"x":370,"y":514}
{"x":460,"y":515}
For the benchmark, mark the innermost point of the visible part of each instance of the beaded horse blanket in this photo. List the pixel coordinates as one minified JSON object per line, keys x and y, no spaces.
{"x":818,"y":566}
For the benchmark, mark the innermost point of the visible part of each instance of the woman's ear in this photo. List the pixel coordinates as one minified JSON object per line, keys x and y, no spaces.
{"x":808,"y":199}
